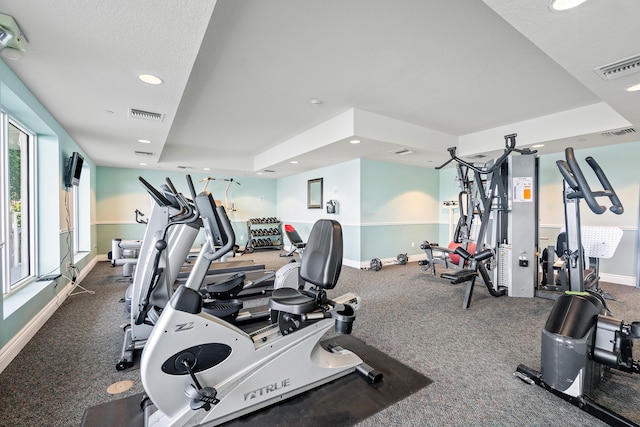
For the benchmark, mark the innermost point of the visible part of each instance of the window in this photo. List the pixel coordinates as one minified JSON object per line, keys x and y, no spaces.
{"x":17,"y":178}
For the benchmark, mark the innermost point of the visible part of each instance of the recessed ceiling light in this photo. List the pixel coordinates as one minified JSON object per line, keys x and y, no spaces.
{"x":633,"y":88}
{"x":538,"y":146}
{"x":354,"y":141}
{"x":258,"y":173}
{"x":206,"y":169}
{"x":564,"y":4}
{"x":316,"y":102}
{"x":142,"y":164}
{"x":293,"y":162}
{"x":144,"y":141}
{"x":150,"y":79}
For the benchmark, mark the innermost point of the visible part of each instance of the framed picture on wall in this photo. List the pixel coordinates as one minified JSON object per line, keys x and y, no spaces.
{"x":314,"y":193}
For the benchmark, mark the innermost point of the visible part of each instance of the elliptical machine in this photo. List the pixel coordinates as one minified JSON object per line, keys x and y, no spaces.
{"x":198,"y":369}
{"x":173,"y":226}
{"x":581,"y":340}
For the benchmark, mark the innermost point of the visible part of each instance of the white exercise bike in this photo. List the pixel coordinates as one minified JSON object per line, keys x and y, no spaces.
{"x":199,"y":370}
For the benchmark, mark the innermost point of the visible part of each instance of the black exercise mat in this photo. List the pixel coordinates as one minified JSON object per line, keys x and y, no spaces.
{"x":342,"y":402}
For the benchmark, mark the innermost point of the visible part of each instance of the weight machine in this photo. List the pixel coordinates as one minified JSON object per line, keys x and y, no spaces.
{"x":502,"y":195}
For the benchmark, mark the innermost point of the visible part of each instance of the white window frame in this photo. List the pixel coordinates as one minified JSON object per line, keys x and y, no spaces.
{"x":7,"y":286}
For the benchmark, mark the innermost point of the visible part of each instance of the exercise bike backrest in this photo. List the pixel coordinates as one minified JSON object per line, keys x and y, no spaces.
{"x":322,"y":261}
{"x":573,"y":176}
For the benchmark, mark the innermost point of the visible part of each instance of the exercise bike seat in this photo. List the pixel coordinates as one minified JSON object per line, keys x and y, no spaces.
{"x":290,"y":300}
{"x":319,"y":267}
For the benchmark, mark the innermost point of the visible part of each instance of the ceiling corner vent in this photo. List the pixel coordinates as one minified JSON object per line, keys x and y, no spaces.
{"x":147,"y":115}
{"x":619,"y":132}
{"x":143,"y":153}
{"x":619,"y":68}
{"x":402,"y":152}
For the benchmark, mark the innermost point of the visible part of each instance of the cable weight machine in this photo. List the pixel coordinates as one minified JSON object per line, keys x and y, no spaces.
{"x":502,"y":247}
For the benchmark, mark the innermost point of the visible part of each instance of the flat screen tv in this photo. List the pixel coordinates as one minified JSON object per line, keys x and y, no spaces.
{"x":74,"y":169}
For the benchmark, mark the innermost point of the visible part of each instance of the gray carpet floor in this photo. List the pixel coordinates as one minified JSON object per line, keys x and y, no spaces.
{"x":410,"y":315}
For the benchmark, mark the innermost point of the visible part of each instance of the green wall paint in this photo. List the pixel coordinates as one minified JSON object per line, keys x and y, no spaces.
{"x":54,"y":146}
{"x":387,"y":241}
{"x":392,"y":193}
{"x":120,"y":193}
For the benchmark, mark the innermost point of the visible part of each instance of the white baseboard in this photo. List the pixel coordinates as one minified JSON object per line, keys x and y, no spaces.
{"x":20,"y":340}
{"x":618,"y":279}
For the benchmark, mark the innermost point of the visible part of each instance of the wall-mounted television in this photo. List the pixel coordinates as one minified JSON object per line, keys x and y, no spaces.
{"x":74,"y":169}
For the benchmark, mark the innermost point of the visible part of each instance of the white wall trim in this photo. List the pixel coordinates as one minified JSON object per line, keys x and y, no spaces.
{"x":622,"y":227}
{"x":20,"y":340}
{"x":386,"y":223}
{"x":618,"y":279}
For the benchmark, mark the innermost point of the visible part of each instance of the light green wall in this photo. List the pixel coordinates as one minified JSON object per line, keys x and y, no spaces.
{"x":119,"y":194}
{"x":399,"y":208}
{"x":341,"y":182}
{"x":53,"y":148}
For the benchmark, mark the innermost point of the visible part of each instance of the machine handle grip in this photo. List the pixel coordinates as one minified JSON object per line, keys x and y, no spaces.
{"x":616,"y":206}
{"x":567,"y":175}
{"x":583,"y":186}
{"x":228,"y":230}
{"x":153,"y":192}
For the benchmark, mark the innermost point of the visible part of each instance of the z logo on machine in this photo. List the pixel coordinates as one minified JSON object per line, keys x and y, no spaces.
{"x":183,"y":327}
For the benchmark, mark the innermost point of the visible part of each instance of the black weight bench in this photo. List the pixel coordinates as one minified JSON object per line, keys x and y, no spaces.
{"x":462,"y":276}
{"x":470,"y":275}
{"x":459,"y":276}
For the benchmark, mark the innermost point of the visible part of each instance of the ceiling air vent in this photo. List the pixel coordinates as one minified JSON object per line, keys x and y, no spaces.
{"x":147,"y":115}
{"x":183,"y":167}
{"x":143,"y":153}
{"x":268,"y":171}
{"x":402,"y":152}
{"x":619,"y":132}
{"x":477,"y":157}
{"x":619,"y":68}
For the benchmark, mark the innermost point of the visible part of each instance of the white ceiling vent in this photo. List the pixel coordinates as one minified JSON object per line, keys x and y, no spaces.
{"x":268,"y":171}
{"x":619,"y":68}
{"x":402,"y":152}
{"x":144,"y":153}
{"x":147,"y":115}
{"x":183,"y":167}
{"x":619,"y":132}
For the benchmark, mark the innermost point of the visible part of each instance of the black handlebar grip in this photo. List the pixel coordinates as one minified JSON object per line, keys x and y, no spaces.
{"x":192,"y":190}
{"x":566,"y":173}
{"x":157,"y":196}
{"x":616,"y":204}
{"x":583,"y":185}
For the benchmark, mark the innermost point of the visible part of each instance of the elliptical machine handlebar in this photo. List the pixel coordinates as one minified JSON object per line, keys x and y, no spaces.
{"x":509,"y":147}
{"x":572,"y":174}
{"x":159,"y":198}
